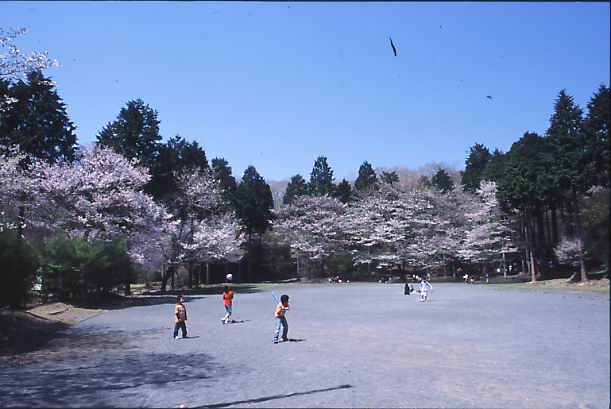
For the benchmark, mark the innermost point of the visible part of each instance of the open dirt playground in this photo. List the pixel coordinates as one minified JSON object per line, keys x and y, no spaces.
{"x":352,"y":345}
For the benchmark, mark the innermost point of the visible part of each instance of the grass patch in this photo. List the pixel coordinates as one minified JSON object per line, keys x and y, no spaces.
{"x":600,"y":286}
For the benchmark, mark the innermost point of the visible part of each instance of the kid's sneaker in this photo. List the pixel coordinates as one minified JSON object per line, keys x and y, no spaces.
{"x":176,"y":337}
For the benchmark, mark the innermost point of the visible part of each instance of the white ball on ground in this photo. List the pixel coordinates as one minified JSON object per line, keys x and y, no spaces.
{"x":229,"y":277}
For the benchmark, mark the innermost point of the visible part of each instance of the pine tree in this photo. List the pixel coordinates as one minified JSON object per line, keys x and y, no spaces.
{"x":172,"y":158}
{"x":442,"y":181}
{"x":367,"y":179}
{"x":479,"y":155}
{"x":37,"y":121}
{"x":296,"y":187}
{"x":134,"y":134}
{"x":596,"y":128}
{"x":321,"y":178}
{"x":343,"y":192}
{"x":571,"y":164}
{"x":222,"y":173}
{"x":389,"y":177}
{"x":254,"y":202}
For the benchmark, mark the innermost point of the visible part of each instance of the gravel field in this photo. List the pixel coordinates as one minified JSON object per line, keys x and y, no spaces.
{"x":351,"y":345}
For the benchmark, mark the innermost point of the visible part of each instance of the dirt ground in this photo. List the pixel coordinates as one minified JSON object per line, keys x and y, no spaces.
{"x":351,"y":345}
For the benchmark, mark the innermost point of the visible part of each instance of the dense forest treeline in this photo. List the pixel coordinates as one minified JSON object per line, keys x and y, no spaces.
{"x":69,"y":212}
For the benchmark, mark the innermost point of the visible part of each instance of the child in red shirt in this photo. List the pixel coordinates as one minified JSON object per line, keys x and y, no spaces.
{"x":228,"y":303}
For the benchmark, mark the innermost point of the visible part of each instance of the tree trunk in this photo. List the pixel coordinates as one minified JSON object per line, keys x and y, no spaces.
{"x":582,"y":261}
{"x":526,"y":252}
{"x":190,"y":275}
{"x":540,"y":239}
{"x":504,"y":266}
{"x":297,"y":261}
{"x":165,"y":277}
{"x":207,"y":273}
{"x":20,"y":222}
{"x":569,"y":226}
{"x":249,"y":271}
{"x":127,"y":289}
{"x":554,"y":225}
{"x":530,"y":244}
{"x":549,"y":245}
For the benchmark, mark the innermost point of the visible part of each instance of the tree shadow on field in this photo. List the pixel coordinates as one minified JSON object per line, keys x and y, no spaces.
{"x":214,"y":289}
{"x":280,"y":396}
{"x":24,"y":332}
{"x":97,"y":369}
{"x":117,"y":302}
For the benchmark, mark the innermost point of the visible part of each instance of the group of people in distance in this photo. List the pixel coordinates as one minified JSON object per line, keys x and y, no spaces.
{"x":425,"y":287}
{"x":180,"y":315}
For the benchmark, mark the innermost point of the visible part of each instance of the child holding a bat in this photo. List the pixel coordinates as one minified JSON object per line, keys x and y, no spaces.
{"x":279,"y":315}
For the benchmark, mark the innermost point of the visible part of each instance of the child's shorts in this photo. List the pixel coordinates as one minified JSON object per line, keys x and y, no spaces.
{"x":228,"y":309}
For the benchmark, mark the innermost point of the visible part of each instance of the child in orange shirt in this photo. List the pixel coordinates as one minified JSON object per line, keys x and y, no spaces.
{"x":228,"y":303}
{"x":281,"y":309}
{"x":180,"y":318}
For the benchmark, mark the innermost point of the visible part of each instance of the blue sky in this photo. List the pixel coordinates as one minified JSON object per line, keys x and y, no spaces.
{"x":276,"y":85}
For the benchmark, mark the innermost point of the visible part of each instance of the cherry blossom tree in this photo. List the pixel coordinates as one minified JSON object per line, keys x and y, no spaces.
{"x":312,"y":226}
{"x":19,"y":189}
{"x":15,"y":64}
{"x":568,"y":250}
{"x":206,"y":229}
{"x":488,"y":233}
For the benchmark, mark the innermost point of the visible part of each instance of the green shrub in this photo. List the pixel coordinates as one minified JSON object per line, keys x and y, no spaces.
{"x":74,"y":268}
{"x":18,"y":265}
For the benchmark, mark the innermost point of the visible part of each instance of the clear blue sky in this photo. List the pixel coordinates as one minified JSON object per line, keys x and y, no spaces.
{"x":276,"y":85}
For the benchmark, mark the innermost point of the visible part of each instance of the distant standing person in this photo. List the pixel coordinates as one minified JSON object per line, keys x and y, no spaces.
{"x":279,"y":315}
{"x":180,"y":316}
{"x":425,"y":286}
{"x":228,"y":303}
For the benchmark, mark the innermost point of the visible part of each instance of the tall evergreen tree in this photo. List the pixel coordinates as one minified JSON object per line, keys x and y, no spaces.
{"x":296,"y":187}
{"x":596,"y":128}
{"x":442,"y":181}
{"x":343,"y":192}
{"x":571,"y":165}
{"x":37,"y":121}
{"x":367,"y":179}
{"x":479,"y":155}
{"x":134,"y":134}
{"x":222,"y":173}
{"x":255,"y":202}
{"x":175,"y":156}
{"x":321,"y":178}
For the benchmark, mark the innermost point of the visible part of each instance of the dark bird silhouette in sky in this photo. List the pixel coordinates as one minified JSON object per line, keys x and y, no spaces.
{"x":488,"y":96}
{"x":394,"y":50}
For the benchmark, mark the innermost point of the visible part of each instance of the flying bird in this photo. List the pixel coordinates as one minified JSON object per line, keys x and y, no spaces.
{"x":488,"y":96}
{"x":394,"y":50}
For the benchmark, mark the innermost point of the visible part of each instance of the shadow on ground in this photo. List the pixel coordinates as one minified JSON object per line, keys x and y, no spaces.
{"x":22,"y":332}
{"x":273,"y":397}
{"x":215,"y":289}
{"x":96,"y":370}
